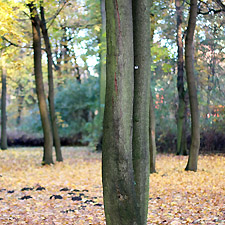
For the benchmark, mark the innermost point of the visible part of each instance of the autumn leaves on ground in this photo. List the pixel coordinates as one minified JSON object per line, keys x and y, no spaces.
{"x":71,"y":192}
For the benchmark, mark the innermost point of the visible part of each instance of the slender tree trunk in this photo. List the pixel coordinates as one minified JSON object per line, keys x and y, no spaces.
{"x":102,"y":80}
{"x":55,"y":133}
{"x":181,"y":120}
{"x":192,"y":89}
{"x":20,"y":103}
{"x":152,"y":143}
{"x":141,"y":162}
{"x":117,"y":168}
{"x":46,"y":125}
{"x":3,"y":108}
{"x":103,"y":60}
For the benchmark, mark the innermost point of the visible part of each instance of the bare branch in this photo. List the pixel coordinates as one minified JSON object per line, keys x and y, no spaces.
{"x":16,"y":45}
{"x":57,"y":13}
{"x":221,"y":4}
{"x":209,"y":9}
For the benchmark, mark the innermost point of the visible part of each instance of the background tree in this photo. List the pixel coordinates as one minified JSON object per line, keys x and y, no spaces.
{"x":46,"y":125}
{"x":10,"y":30}
{"x":181,"y":114}
{"x":191,"y":81}
{"x":75,"y":32}
{"x":3,"y":105}
{"x":103,"y":60}
{"x":55,"y":133}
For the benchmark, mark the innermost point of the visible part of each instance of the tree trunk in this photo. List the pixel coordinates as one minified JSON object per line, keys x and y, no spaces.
{"x":181,"y":120}
{"x":117,"y":168}
{"x":126,"y":117}
{"x":20,"y":100}
{"x":102,"y":79}
{"x":152,"y":143}
{"x":192,"y":89}
{"x":46,"y":125}
{"x":103,"y":59}
{"x":3,"y":108}
{"x":142,"y":69}
{"x":55,"y":133}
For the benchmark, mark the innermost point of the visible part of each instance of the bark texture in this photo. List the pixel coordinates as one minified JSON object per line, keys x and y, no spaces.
{"x":141,"y":162}
{"x":152,"y":142}
{"x":55,"y":133}
{"x":46,"y":125}
{"x":3,"y":108}
{"x":181,"y":114}
{"x":192,"y":89}
{"x":118,"y":180}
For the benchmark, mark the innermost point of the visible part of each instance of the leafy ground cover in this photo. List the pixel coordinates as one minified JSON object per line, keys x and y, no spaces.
{"x":71,"y":192}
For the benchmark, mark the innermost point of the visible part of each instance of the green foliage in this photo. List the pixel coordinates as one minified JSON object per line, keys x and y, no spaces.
{"x":32,"y":122}
{"x":76,"y":107}
{"x":76,"y":110}
{"x":161,"y":56}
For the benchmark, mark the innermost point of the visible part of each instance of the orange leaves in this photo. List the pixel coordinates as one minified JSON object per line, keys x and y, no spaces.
{"x":176,"y":197}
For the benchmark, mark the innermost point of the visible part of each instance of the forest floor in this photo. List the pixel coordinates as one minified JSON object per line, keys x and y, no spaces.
{"x":71,"y":192}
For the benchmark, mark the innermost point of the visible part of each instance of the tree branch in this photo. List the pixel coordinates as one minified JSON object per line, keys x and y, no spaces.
{"x":221,"y":5}
{"x":215,"y":11}
{"x":57,"y":13}
{"x":16,"y":45}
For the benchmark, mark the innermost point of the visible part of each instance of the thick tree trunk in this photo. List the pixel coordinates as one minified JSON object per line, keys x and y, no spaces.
{"x":46,"y":125}
{"x":142,"y":69}
{"x":192,"y":89}
{"x":55,"y":133}
{"x":3,"y":108}
{"x":181,"y":118}
{"x":117,"y":168}
{"x":152,"y":143}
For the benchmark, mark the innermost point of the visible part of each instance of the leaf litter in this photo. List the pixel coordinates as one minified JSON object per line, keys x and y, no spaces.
{"x":71,"y":192}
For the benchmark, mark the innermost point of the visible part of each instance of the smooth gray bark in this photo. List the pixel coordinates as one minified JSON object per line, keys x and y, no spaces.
{"x":192,"y":89}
